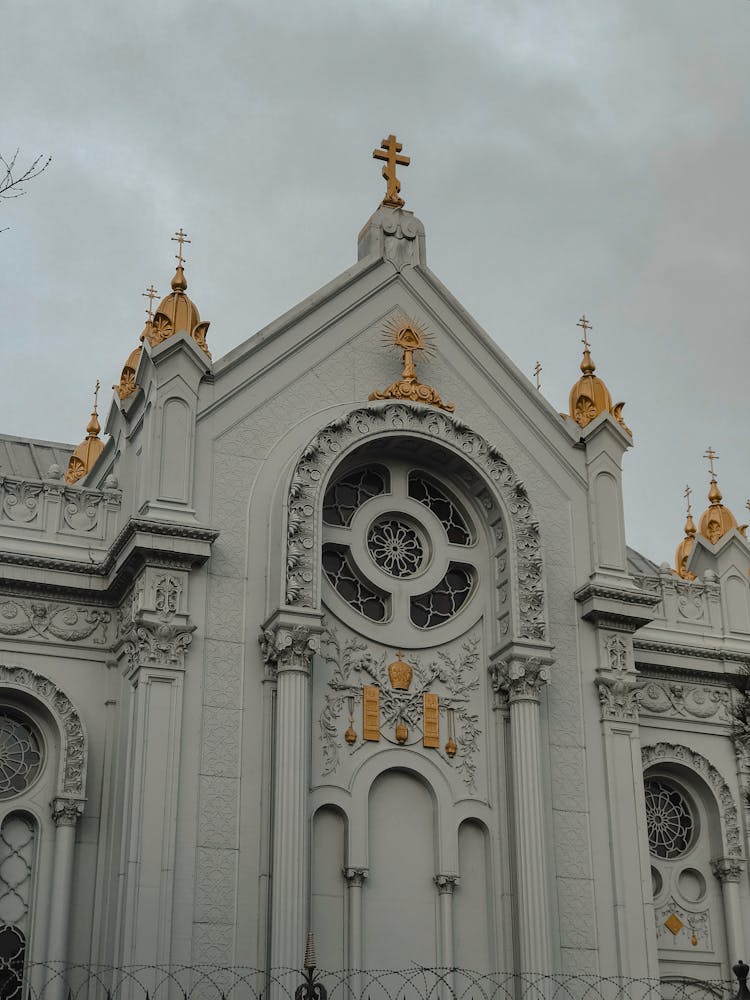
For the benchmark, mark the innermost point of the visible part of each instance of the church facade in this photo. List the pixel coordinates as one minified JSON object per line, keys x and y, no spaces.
{"x":302,"y":647}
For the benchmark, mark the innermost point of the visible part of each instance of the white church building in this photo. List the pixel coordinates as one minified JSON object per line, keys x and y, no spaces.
{"x":340,"y":632}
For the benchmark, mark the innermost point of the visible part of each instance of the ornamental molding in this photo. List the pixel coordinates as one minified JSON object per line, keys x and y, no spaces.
{"x":50,"y":620}
{"x":519,"y":678}
{"x":728,"y":869}
{"x":305,"y":496}
{"x":674,"y":753}
{"x":26,"y":502}
{"x":678,"y":700}
{"x":71,"y":780}
{"x":153,"y":629}
{"x":702,"y":652}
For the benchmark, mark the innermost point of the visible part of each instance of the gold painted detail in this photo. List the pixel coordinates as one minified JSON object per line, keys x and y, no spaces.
{"x":431,"y":720}
{"x":673,"y":924}
{"x":717,"y":519}
{"x":371,"y":712}
{"x":351,"y":734}
{"x":590,"y":396}
{"x":390,"y":151}
{"x":402,"y":732}
{"x":177,"y":311}
{"x":538,"y":373}
{"x":410,"y":337}
{"x":400,"y":674}
{"x":127,"y":384}
{"x":88,"y":451}
{"x":686,"y":545}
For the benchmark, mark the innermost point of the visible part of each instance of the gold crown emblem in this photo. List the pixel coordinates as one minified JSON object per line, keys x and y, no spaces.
{"x":400,"y":674}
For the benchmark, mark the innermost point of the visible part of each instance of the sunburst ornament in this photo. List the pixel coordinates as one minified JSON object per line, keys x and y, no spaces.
{"x":411,"y":337}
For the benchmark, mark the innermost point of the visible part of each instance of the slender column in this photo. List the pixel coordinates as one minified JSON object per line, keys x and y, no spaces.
{"x":729,"y":872}
{"x":521,"y":680}
{"x":288,"y":649}
{"x":355,"y":880}
{"x":445,"y":886}
{"x":65,"y":813}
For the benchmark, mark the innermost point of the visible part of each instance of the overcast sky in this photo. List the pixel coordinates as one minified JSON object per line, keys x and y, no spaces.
{"x":568,"y":156}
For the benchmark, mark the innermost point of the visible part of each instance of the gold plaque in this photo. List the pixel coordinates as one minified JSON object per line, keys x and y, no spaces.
{"x":431,"y":720}
{"x":673,"y":924}
{"x":371,"y":712}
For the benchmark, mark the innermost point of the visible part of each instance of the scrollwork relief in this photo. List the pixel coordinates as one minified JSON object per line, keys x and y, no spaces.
{"x":324,"y":449}
{"x":41,"y":620}
{"x":21,"y":501}
{"x":676,"y":753}
{"x":81,"y":510}
{"x":686,"y":700}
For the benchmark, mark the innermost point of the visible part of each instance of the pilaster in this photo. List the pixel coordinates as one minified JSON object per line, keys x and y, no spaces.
{"x":355,"y":881}
{"x":729,"y":872}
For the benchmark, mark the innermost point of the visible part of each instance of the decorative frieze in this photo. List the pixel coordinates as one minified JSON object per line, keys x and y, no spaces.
{"x":51,"y":620}
{"x":325,"y":449}
{"x":685,"y":701}
{"x":53,"y":506}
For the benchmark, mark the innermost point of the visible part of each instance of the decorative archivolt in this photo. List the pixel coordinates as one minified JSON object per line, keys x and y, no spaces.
{"x":675,"y":753}
{"x":327,"y":447}
{"x":71,"y":782}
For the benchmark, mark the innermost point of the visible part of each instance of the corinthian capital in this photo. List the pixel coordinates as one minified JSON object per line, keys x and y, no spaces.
{"x":289,"y":645}
{"x":519,"y":678}
{"x":66,"y":812}
{"x":618,"y":697}
{"x":728,"y":869}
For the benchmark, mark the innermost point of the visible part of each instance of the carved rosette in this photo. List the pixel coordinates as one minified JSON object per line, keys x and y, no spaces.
{"x":289,"y":647}
{"x":67,"y":812}
{"x":519,"y":679}
{"x":728,"y":869}
{"x":326,"y":448}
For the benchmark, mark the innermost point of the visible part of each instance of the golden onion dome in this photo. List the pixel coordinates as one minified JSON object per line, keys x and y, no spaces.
{"x":127,"y":384}
{"x":684,"y":549}
{"x":717,"y":519}
{"x":590,"y":396}
{"x":88,"y":451}
{"x":177,"y":312}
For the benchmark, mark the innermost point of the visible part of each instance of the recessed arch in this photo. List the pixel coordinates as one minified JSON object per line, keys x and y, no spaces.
{"x":502,"y":491}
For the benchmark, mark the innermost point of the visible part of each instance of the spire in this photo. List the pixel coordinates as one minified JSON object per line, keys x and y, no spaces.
{"x":177,"y":311}
{"x":686,"y":545}
{"x":88,"y":451}
{"x":590,"y":396}
{"x":717,"y":519}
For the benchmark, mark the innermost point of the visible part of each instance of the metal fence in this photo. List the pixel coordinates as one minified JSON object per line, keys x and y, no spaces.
{"x":56,"y":981}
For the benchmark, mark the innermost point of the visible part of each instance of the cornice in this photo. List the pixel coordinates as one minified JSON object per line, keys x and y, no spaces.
{"x":701,"y":652}
{"x":649,"y":671}
{"x":619,"y":608}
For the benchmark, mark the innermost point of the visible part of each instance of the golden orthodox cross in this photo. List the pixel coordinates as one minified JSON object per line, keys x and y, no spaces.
{"x":538,"y":372}
{"x":686,"y":494}
{"x":180,"y":237}
{"x":96,"y":394}
{"x":586,"y":326}
{"x":389,"y":151}
{"x":150,"y":294}
{"x":711,"y":455}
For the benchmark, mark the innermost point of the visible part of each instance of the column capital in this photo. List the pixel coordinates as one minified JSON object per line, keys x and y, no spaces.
{"x":446,"y":883}
{"x":355,"y":877}
{"x":519,"y":678}
{"x":728,"y":869}
{"x":66,"y":812}
{"x":289,"y":643}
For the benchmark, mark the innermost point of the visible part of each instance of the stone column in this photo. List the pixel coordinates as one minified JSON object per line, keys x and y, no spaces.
{"x":521,"y":680}
{"x":288,"y":648}
{"x":355,"y":880}
{"x":65,"y":813}
{"x":445,"y":886}
{"x":729,"y":872}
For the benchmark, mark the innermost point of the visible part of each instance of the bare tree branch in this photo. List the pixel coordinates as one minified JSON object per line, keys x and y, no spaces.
{"x":13,"y":177}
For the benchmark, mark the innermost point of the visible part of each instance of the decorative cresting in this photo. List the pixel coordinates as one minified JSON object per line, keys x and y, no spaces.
{"x":84,"y":457}
{"x":71,"y":779}
{"x":410,"y":336}
{"x":686,"y":545}
{"x":672,"y":753}
{"x":717,"y":519}
{"x":127,"y":384}
{"x":306,"y":496}
{"x":590,"y":396}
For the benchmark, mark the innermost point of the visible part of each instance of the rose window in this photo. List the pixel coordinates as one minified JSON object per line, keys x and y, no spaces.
{"x":398,"y":547}
{"x":20,"y":754}
{"x":669,"y":820}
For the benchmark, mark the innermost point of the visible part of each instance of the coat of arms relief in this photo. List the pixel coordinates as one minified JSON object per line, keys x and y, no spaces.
{"x":386,"y":696}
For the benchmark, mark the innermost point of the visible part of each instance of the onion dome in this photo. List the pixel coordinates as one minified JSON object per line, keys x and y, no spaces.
{"x":88,"y":451}
{"x":717,"y":519}
{"x":686,"y":545}
{"x":590,"y":396}
{"x":127,"y":384}
{"x":178,"y":312}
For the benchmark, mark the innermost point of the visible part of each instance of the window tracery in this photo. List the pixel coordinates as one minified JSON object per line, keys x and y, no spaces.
{"x":20,"y":753}
{"x":346,"y":495}
{"x":669,"y":820}
{"x":17,"y":850}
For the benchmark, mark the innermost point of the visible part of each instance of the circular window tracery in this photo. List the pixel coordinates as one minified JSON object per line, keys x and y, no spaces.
{"x":396,"y":546}
{"x":20,"y":753}
{"x":669,"y":820}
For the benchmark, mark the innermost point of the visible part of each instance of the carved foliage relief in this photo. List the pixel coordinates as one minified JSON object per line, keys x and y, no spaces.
{"x":54,"y":620}
{"x":305,"y":497}
{"x":446,"y":679}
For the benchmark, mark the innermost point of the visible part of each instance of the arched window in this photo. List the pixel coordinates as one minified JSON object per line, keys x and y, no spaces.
{"x":17,"y":853}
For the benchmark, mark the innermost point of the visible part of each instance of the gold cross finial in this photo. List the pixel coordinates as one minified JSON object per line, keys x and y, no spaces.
{"x":538,"y":372}
{"x":96,"y":394}
{"x":389,"y":151}
{"x":180,"y":237}
{"x":586,"y":326}
{"x":711,"y":455}
{"x":686,"y":494}
{"x":150,"y":294}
